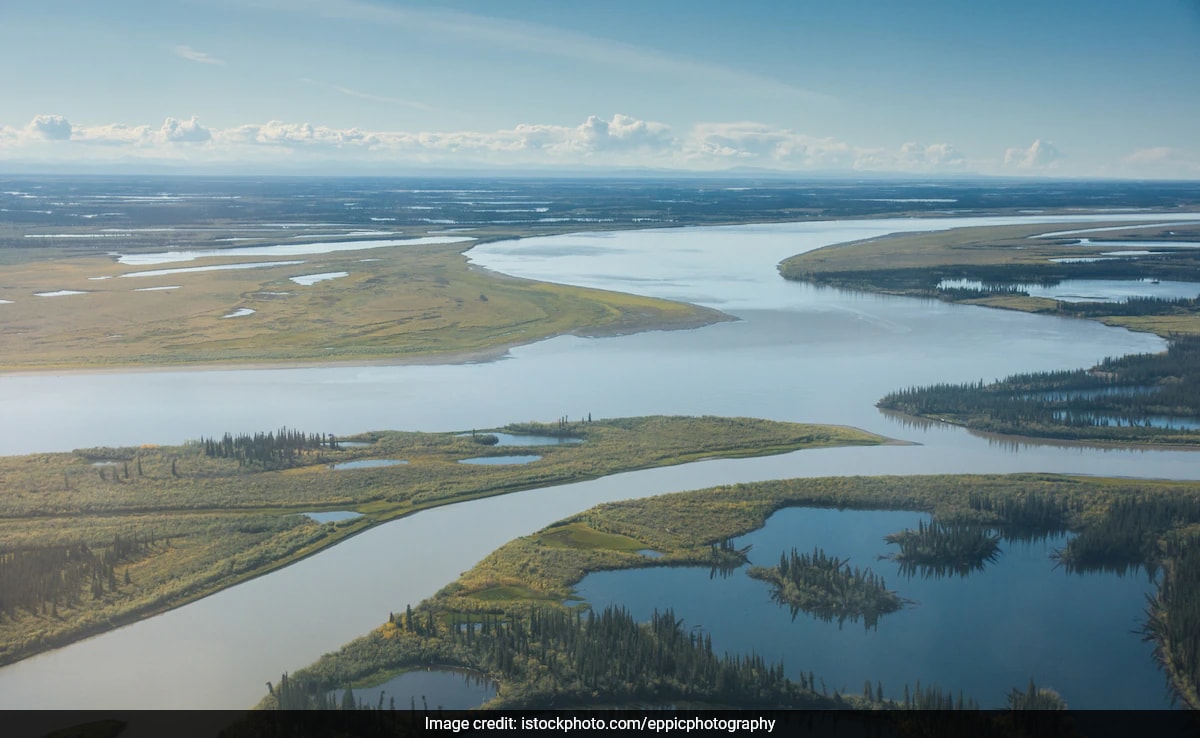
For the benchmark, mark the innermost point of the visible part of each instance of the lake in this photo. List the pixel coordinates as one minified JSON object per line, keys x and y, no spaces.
{"x":986,"y":633}
{"x":797,"y":352}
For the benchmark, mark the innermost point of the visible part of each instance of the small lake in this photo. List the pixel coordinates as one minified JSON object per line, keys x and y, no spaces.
{"x":984,"y":634}
{"x":311,"y":279}
{"x":367,"y":464}
{"x":514,"y":439}
{"x":1092,"y":290}
{"x":500,"y":459}
{"x":435,"y":689}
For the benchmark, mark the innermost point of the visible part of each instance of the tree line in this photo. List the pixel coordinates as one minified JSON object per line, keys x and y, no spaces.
{"x":275,"y":449}
{"x":1117,"y":399}
{"x":41,"y":579}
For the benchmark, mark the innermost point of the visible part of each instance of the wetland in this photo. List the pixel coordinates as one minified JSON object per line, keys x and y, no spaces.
{"x":795,"y":351}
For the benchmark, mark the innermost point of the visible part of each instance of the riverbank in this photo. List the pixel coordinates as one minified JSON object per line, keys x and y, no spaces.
{"x":102,"y":537}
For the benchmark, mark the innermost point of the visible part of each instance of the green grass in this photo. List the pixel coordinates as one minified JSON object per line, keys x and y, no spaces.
{"x":578,"y":535}
{"x":410,"y":302}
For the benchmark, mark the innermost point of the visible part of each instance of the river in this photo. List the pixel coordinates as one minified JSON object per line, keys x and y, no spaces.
{"x":797,"y":352}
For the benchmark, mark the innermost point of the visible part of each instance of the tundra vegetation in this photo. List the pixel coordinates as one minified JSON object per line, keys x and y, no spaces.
{"x":403,"y":302}
{"x":99,"y":537}
{"x":1002,"y":258}
{"x":488,"y":619}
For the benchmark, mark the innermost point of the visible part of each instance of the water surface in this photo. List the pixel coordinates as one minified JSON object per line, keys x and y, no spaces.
{"x":986,"y":633}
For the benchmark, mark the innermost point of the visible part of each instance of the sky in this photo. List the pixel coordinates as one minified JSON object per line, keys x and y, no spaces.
{"x":1060,"y":88}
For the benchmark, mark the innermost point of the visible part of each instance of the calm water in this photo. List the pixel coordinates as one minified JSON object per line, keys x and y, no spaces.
{"x":1093,"y":290}
{"x":367,"y":463}
{"x":486,"y":460}
{"x":796,"y":352}
{"x":437,"y":689}
{"x":989,"y":632}
{"x":520,"y":439}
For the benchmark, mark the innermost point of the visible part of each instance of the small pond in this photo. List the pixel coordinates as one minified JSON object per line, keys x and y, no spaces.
{"x":366,"y":464}
{"x":517,"y":439}
{"x":332,"y":516}
{"x":435,"y":689}
{"x":500,"y":460}
{"x":984,"y":633}
{"x":311,"y":279}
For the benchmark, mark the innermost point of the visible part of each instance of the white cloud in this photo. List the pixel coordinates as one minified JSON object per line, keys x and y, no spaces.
{"x":617,"y":141}
{"x":1040,"y":154}
{"x":51,"y":127}
{"x":187,"y":52}
{"x":184,"y":131}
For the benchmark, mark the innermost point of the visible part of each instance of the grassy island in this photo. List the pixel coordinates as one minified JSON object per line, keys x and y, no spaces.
{"x":399,"y":303}
{"x":485,"y":621}
{"x":99,"y":537}
{"x":1003,"y":258}
{"x":828,"y":588}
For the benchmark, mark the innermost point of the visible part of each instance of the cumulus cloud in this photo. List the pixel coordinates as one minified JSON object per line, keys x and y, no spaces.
{"x":619,"y":140}
{"x":1039,"y":155}
{"x":184,"y":131}
{"x":51,"y":127}
{"x":765,"y":145}
{"x":187,"y":52}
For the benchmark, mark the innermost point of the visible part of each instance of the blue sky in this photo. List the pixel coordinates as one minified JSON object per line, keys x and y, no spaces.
{"x":1059,"y":87}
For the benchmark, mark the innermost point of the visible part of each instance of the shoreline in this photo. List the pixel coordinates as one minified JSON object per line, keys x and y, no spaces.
{"x":1023,"y":439}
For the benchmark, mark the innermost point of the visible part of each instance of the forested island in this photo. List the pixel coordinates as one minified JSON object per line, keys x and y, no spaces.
{"x":100,"y":537}
{"x":828,"y":588}
{"x":1140,"y":398}
{"x":512,"y":618}
{"x":941,"y":549}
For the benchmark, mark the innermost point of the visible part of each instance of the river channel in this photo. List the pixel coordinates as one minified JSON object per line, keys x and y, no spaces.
{"x":796,"y":352}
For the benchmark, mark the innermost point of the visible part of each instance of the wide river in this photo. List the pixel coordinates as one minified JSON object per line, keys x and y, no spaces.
{"x":796,"y":353}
